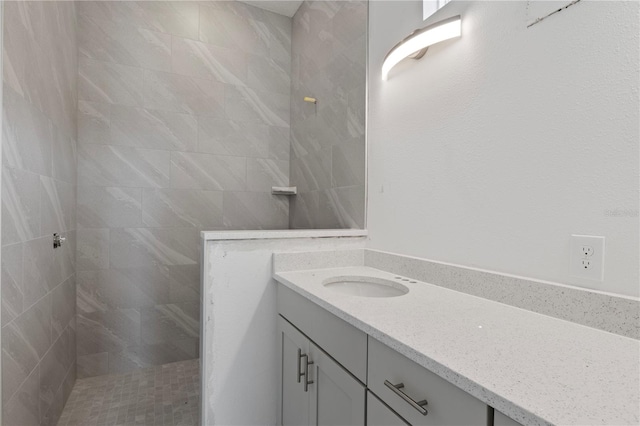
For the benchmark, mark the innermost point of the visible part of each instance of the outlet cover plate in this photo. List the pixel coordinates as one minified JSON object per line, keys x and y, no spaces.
{"x":595,"y":269}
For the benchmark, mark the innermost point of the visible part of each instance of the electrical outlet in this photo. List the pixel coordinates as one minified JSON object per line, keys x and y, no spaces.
{"x":586,"y":264}
{"x":587,"y":251}
{"x":587,"y":257}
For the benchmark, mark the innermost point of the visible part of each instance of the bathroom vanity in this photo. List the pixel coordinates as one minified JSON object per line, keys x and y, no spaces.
{"x":354,"y":353}
{"x":330,"y":368}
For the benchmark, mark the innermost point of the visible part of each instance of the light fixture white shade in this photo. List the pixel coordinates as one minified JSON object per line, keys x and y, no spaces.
{"x":421,"y":39}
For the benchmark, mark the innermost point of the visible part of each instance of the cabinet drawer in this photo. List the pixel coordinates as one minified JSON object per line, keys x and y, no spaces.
{"x":344,"y":342}
{"x":379,"y":414}
{"x":446,"y":404}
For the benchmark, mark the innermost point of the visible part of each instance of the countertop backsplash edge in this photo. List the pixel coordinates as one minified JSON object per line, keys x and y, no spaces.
{"x":608,"y":312}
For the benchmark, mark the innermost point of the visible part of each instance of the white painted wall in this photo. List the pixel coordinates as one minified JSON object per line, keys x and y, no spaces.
{"x":239,"y":340}
{"x":494,"y":148}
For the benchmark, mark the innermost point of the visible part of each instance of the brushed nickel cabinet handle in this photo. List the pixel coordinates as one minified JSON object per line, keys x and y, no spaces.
{"x":397,"y":389}
{"x":307,"y":382}
{"x":301,"y":374}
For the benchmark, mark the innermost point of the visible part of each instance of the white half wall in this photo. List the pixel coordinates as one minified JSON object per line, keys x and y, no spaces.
{"x":494,"y":148}
{"x":239,"y":313}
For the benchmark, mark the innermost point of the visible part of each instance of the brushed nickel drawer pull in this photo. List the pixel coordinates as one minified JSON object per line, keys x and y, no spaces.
{"x":301,"y":373}
{"x":307,"y":382}
{"x":418,"y":405}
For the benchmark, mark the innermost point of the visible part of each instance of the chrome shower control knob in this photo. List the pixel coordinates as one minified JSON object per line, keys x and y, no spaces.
{"x":58,"y":240}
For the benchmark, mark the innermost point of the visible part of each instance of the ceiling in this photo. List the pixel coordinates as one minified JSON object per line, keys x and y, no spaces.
{"x":283,"y":7}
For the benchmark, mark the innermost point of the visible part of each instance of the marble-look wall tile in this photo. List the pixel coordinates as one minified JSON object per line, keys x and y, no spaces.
{"x":246,"y":104}
{"x":64,"y":157}
{"x":63,"y":300}
{"x":330,"y":208}
{"x":255,"y":210}
{"x":16,"y":45}
{"x":24,"y":343}
{"x":41,"y":36}
{"x":279,"y":28}
{"x":109,"y":83}
{"x":44,"y":268}
{"x":279,"y":143}
{"x":106,"y":207}
{"x":347,"y":203}
{"x":94,"y":122}
{"x":303,"y":209}
{"x":327,"y":139}
{"x":160,"y":146}
{"x":146,"y":128}
{"x":211,"y":172}
{"x":168,"y":323}
{"x":111,"y":41}
{"x":344,"y":30}
{"x":312,"y":172}
{"x":182,"y":208}
{"x":262,"y":174}
{"x":172,"y":17}
{"x":24,"y":406}
{"x":52,"y":416}
{"x":64,"y":258}
{"x":57,"y":206}
{"x":105,"y":165}
{"x":132,"y":288}
{"x":38,"y":198}
{"x":38,"y":270}
{"x":12,"y":292}
{"x":184,"y":282}
{"x":225,"y":29}
{"x":222,"y":136}
{"x":144,"y":247}
{"x":93,"y":365}
{"x":108,"y":331}
{"x":134,"y":357}
{"x":20,"y":205}
{"x":92,"y":249}
{"x":70,"y":379}
{"x":179,"y":18}
{"x":178,"y":93}
{"x":348,"y":164}
{"x":53,"y":370}
{"x":269,"y":75}
{"x":26,"y":135}
{"x":196,"y":59}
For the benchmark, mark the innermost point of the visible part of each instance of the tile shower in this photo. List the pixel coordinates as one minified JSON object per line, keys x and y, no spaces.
{"x":129,"y":127}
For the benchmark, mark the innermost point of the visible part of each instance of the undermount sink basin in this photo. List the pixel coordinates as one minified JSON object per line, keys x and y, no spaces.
{"x":365,"y":286}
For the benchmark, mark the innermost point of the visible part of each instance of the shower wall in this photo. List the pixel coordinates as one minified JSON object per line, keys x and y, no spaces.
{"x":328,"y":139}
{"x":38,"y":199}
{"x":183,"y":125}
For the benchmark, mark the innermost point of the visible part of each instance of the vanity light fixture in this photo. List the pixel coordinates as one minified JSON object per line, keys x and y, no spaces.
{"x":415,"y":45}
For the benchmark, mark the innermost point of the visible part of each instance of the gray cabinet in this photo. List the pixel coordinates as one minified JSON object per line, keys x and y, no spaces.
{"x":294,"y":408}
{"x":334,"y":374}
{"x":500,"y":419}
{"x":337,"y":399}
{"x":378,"y":414}
{"x":315,"y":390}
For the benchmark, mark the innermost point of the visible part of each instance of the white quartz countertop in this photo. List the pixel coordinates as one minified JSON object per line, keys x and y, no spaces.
{"x":262,"y":234}
{"x":536,"y":369}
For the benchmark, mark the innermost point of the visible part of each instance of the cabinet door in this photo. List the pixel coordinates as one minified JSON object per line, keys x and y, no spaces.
{"x":337,"y":398}
{"x":500,"y":419}
{"x":379,"y":414}
{"x":294,"y":406}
